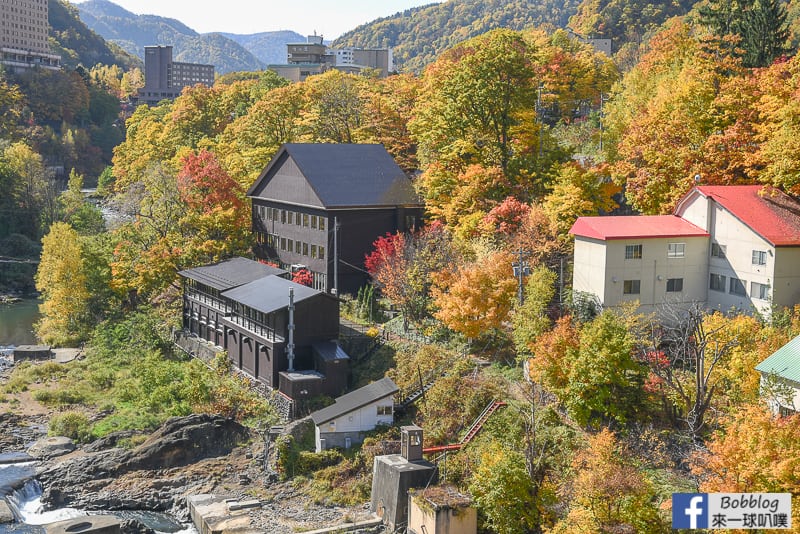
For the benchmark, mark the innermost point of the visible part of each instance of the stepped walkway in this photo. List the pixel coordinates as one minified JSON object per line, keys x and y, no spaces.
{"x":473,"y":430}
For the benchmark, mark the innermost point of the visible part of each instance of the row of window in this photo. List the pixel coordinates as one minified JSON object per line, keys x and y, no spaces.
{"x":678,"y":250}
{"x":291,"y":245}
{"x":291,"y":217}
{"x":674,"y":250}
{"x":634,"y":287}
{"x":738,"y":287}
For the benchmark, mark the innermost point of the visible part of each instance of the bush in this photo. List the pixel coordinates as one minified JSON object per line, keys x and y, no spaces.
{"x":74,"y":425}
{"x":61,"y":396}
{"x":309,"y":462}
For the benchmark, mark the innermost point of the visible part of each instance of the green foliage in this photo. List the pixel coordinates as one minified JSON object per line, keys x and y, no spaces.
{"x":72,"y":424}
{"x":625,"y":20}
{"x":417,"y":36}
{"x":530,"y":319}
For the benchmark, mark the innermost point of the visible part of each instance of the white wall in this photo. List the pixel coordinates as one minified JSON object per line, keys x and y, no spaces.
{"x":588,"y":274}
{"x":360,"y":420}
{"x":786,"y":281}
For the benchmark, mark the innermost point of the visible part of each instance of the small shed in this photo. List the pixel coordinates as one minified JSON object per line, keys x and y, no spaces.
{"x":780,"y":378}
{"x":441,"y":510}
{"x":343,"y":423}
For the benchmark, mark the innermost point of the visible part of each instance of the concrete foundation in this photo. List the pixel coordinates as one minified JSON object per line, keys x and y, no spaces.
{"x":218,"y":514}
{"x":392,"y":477}
{"x":32,"y":352}
{"x":94,"y":524}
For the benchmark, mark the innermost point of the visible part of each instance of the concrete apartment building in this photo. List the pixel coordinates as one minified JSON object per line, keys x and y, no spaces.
{"x":728,"y":247}
{"x":24,"y":27}
{"x":165,"y":79}
{"x":314,"y":57}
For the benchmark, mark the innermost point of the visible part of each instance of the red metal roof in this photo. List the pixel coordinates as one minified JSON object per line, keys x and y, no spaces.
{"x":635,"y":227}
{"x":769,"y":212}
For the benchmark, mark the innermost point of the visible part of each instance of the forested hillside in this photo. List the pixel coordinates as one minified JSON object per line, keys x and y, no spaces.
{"x":133,"y":32}
{"x":268,"y":47}
{"x":77,"y":44}
{"x":418,"y":35}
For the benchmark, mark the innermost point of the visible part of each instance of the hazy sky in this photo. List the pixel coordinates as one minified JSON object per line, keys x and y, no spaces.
{"x":330,"y":18}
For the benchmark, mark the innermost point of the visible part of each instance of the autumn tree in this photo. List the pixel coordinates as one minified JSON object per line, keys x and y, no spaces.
{"x":61,"y":279}
{"x":609,"y":494}
{"x":753,"y":451}
{"x":76,"y":210}
{"x":530,"y":319}
{"x":401,"y":266}
{"x":334,"y":107}
{"x":476,"y":299}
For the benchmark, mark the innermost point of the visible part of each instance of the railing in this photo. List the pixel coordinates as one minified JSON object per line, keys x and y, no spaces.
{"x":205,"y":298}
{"x":267,"y":332}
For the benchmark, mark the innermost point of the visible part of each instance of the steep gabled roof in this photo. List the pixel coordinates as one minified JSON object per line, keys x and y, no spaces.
{"x":784,"y":362}
{"x":635,"y":227}
{"x":269,"y":294}
{"x":345,"y":175}
{"x":769,"y":212}
{"x":230,"y":273}
{"x":356,"y":399}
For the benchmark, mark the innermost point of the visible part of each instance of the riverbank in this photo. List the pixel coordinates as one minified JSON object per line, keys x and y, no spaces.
{"x":194,"y":455}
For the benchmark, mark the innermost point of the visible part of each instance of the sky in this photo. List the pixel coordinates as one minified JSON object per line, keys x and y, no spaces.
{"x":329,"y":18}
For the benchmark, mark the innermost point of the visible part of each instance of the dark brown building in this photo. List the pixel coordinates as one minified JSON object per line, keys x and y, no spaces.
{"x":242,"y":306}
{"x":322,"y":206}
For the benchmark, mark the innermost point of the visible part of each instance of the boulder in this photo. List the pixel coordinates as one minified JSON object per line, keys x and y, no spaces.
{"x":51,"y":446}
{"x":6,"y":515}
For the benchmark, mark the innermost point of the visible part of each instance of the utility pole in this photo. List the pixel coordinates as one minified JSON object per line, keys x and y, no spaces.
{"x":521,"y":270}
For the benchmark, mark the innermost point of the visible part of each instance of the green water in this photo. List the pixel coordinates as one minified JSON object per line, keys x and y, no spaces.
{"x":16,"y":322}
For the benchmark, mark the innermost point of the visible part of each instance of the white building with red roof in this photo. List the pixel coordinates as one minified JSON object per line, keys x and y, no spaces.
{"x":730,"y":247}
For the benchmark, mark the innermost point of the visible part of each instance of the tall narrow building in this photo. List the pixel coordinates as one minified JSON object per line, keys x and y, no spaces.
{"x":165,"y":79}
{"x":24,"y":28}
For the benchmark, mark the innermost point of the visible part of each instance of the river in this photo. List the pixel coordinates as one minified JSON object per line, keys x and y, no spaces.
{"x":16,"y":322}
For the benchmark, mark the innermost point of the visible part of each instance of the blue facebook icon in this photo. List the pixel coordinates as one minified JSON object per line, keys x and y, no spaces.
{"x":689,"y":510}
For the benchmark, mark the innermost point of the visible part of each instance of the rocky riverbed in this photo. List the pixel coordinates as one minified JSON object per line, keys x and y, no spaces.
{"x":197,"y":454}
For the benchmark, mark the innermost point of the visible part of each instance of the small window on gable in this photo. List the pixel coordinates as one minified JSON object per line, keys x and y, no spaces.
{"x":633,"y":252}
{"x":717,"y":250}
{"x":717,"y":282}
{"x":737,"y":287}
{"x":759,"y":257}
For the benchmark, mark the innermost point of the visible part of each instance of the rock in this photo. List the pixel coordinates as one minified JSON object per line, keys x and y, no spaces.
{"x":110,"y":441}
{"x":51,"y":446}
{"x":92,"y":481}
{"x":6,"y":515}
{"x":132,"y":526}
{"x":94,"y":524}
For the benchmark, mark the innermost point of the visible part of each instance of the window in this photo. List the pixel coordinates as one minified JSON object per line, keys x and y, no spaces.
{"x":305,"y":249}
{"x":674,"y":285}
{"x":314,"y":251}
{"x":275,"y":214}
{"x":268,"y":215}
{"x":631,"y":287}
{"x":314,"y":222}
{"x":717,"y":250}
{"x":283,"y":216}
{"x":676,"y":250}
{"x":717,"y":282}
{"x":298,"y":246}
{"x":759,"y":291}
{"x":290,"y":245}
{"x":759,"y":257}
{"x":322,"y":253}
{"x":297,"y":219}
{"x":737,"y":287}
{"x":283,"y":243}
{"x":384,"y":410}
{"x":321,"y":223}
{"x":289,"y":217}
{"x":633,"y":252}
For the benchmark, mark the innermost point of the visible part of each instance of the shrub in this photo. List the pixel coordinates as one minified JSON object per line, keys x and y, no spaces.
{"x":61,"y":396}
{"x":74,"y":425}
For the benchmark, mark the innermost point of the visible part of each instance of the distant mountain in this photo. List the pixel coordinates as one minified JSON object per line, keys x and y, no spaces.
{"x":268,"y":47}
{"x":420,"y":34}
{"x":77,"y":44}
{"x":133,"y":32}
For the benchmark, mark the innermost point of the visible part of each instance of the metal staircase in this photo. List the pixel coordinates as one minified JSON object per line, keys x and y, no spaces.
{"x":473,"y":430}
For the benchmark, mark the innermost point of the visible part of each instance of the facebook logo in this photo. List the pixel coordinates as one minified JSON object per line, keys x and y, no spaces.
{"x":689,"y":510}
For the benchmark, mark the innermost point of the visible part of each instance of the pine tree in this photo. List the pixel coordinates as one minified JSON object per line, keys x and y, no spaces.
{"x":764,"y":32}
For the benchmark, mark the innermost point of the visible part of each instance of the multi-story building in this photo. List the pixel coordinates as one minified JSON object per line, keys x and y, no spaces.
{"x":165,"y":79}
{"x":322,"y":206}
{"x":24,"y":28}
{"x":314,"y":57}
{"x":269,"y":326}
{"x":729,"y":247}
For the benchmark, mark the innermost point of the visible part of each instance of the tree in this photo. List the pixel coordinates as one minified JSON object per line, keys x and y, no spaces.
{"x":61,"y":279}
{"x":478,"y":297}
{"x":605,"y":380}
{"x":753,"y":452}
{"x":334,"y":107}
{"x":609,"y":494}
{"x":530,"y":319}
{"x":76,"y":210}
{"x":687,"y":352}
{"x":503,"y":491}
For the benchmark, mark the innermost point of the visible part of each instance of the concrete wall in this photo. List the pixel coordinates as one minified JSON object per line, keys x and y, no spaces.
{"x":392,"y":477}
{"x":785,"y":290}
{"x":423,"y":519}
{"x":590,"y":265}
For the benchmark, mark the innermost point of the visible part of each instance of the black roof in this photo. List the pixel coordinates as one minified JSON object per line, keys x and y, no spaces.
{"x":269,"y":294}
{"x":328,"y":350}
{"x":356,"y":399}
{"x":230,"y":273}
{"x":348,"y":175}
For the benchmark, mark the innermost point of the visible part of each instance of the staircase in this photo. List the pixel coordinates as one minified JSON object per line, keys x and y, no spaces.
{"x":473,"y":430}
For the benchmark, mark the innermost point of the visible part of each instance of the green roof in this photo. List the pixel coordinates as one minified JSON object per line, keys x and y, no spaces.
{"x":784,"y":362}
